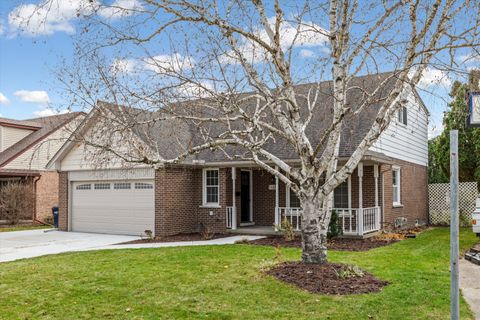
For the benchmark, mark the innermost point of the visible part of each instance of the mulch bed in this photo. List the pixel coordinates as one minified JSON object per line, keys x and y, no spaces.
{"x":341,"y":244}
{"x":325,"y":279}
{"x":177,"y":238}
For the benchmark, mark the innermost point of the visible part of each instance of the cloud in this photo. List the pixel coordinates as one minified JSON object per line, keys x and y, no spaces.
{"x":124,"y":66}
{"x":48,"y":16}
{"x":469,"y":58}
{"x":2,"y":27}
{"x":304,"y":53}
{"x":433,"y":77}
{"x":169,"y":63}
{"x":308,"y":34}
{"x":49,"y":112}
{"x":40,"y":97}
{"x":119,"y":9}
{"x":3,"y":100}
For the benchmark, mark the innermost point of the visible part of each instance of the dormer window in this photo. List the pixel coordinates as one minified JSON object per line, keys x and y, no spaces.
{"x":402,"y":115}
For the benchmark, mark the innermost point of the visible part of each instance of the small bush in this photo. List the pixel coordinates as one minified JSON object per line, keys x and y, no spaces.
{"x":16,"y":200}
{"x":207,"y":233}
{"x":149,"y":235}
{"x":349,"y":272}
{"x":286,"y":228}
{"x":334,"y":229}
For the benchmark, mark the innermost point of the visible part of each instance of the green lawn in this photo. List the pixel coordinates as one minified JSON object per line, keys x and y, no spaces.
{"x":224,"y":282}
{"x":21,"y":228}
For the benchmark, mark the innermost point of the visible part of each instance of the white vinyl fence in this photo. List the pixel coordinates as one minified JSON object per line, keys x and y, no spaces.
{"x":439,"y":202}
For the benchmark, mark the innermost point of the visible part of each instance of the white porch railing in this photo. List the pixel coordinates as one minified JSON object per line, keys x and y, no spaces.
{"x":229,"y":218}
{"x":292,"y":215}
{"x":348,"y":218}
{"x":354,"y":224}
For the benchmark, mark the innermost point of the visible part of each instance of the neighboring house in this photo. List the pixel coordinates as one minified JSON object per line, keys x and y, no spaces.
{"x":209,"y":191}
{"x":26,"y":146}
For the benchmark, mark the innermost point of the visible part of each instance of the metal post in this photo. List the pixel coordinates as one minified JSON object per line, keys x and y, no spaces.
{"x":454,"y":290}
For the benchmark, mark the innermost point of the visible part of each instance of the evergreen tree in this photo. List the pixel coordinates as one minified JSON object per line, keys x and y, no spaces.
{"x":468,"y":142}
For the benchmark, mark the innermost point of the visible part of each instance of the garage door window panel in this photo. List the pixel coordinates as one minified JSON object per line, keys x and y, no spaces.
{"x":84,"y":187}
{"x":141,"y":185}
{"x":102,"y":186}
{"x":122,"y":186}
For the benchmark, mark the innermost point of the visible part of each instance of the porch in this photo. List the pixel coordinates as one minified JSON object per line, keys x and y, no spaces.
{"x":355,"y":220}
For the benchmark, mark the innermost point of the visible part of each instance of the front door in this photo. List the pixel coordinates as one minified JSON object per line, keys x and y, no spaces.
{"x":245,"y":195}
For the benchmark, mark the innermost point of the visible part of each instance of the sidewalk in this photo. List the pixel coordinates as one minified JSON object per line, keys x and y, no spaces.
{"x":470,"y":285}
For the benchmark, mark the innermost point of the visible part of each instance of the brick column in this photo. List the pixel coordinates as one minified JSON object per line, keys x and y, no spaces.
{"x":63,"y":201}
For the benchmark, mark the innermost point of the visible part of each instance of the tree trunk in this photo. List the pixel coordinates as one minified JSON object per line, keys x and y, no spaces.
{"x":314,"y":233}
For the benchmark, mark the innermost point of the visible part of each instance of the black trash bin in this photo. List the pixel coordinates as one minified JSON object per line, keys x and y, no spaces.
{"x":55,"y":216}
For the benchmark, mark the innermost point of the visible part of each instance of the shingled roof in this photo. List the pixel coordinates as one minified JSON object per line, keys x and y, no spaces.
{"x":43,"y":127}
{"x":169,"y":138}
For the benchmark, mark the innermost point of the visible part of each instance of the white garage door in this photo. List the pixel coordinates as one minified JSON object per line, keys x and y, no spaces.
{"x":116,"y":207}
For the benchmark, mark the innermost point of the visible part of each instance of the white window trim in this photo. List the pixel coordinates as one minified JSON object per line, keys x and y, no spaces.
{"x":400,"y":111}
{"x":206,"y":204}
{"x":399,"y":189}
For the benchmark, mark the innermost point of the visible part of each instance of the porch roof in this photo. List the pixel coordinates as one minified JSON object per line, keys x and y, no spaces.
{"x":19,"y":173}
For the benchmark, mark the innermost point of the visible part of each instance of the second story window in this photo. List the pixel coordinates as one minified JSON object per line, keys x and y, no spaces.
{"x":402,"y":115}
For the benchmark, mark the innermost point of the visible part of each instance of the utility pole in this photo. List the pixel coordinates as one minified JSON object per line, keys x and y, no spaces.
{"x":454,"y":287}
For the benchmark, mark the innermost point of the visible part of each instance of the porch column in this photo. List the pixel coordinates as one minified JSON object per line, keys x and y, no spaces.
{"x":234,"y":206}
{"x":277,"y":222}
{"x":375,"y":175}
{"x":360,"y":199}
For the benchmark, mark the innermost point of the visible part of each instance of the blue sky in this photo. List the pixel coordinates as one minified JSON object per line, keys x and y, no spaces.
{"x":28,"y":85}
{"x":26,"y":65}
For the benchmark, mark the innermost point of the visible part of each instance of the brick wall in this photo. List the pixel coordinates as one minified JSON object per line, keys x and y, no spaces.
{"x":214,"y":218}
{"x":63,"y":201}
{"x":174,"y":201}
{"x":47,"y":194}
{"x":178,"y":200}
{"x":413,"y":194}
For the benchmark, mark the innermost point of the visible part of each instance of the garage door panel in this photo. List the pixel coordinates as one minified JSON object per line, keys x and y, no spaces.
{"x":117,"y":211}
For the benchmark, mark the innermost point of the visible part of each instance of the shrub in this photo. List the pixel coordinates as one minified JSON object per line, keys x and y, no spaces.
{"x":286,"y":228}
{"x":16,"y":199}
{"x":334,"y":229}
{"x":349,"y":272}
{"x":149,"y":235}
{"x":207,"y":233}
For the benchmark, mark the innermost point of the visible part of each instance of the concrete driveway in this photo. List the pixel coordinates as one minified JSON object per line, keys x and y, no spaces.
{"x":33,"y":243}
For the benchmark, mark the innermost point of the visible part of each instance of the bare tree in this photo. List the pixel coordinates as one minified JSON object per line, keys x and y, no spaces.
{"x":193,"y":62}
{"x":16,"y":201}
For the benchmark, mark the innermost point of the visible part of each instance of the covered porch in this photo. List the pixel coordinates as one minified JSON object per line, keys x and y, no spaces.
{"x":357,"y":203}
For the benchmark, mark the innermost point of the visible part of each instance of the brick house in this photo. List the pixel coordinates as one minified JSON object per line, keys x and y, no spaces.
{"x":26,"y":146}
{"x":210,"y":191}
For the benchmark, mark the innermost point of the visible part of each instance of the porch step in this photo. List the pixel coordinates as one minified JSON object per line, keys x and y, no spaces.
{"x":255,"y":230}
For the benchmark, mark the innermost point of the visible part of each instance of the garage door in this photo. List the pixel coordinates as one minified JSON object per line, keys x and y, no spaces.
{"x":116,"y":207}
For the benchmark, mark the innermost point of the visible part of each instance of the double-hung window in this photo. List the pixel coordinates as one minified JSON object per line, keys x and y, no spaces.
{"x":402,"y":115}
{"x":396,"y":177}
{"x":211,"y":187}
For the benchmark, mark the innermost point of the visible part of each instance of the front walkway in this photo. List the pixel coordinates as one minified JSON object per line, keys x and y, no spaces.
{"x":34,"y":243}
{"x":470,"y":285}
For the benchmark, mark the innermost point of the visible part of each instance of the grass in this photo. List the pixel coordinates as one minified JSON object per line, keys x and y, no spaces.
{"x":224,"y":282}
{"x":22,"y":228}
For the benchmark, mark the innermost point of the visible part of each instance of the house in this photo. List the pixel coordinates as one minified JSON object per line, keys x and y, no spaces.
{"x":26,"y":146}
{"x":209,"y":191}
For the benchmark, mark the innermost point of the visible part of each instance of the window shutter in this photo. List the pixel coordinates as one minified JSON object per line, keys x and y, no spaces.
{"x":405,"y":115}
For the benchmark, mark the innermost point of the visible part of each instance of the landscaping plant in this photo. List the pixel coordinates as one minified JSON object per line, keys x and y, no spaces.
{"x":16,"y":200}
